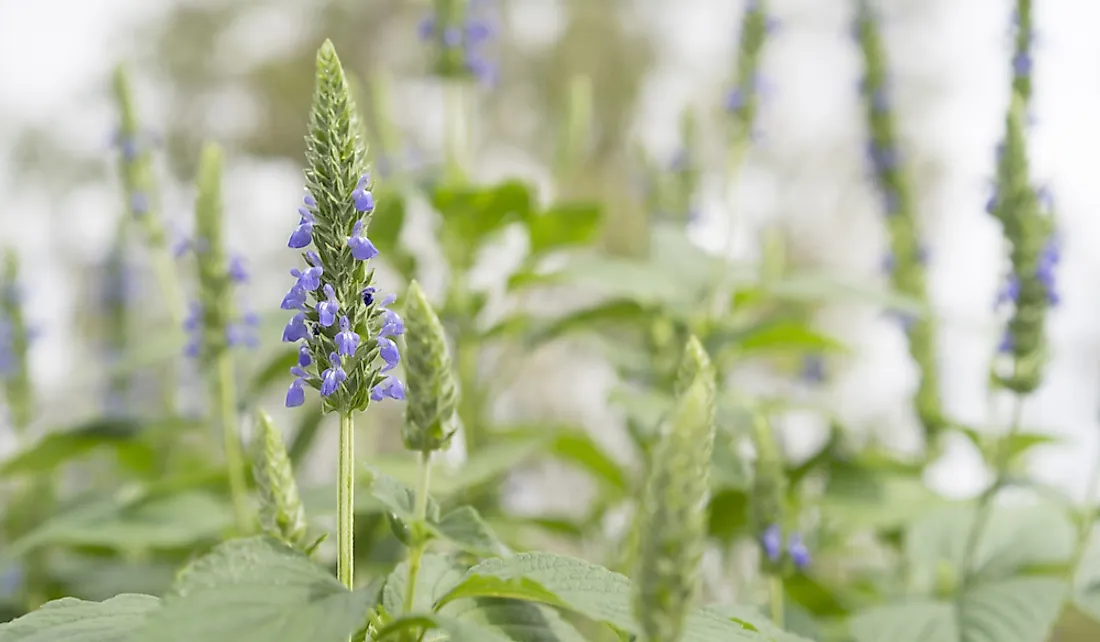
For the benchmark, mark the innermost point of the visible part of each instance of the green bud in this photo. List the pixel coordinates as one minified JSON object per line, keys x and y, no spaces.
{"x":15,"y":373}
{"x":281,"y":511}
{"x":672,"y":523}
{"x":430,"y":415}
{"x":136,"y":162}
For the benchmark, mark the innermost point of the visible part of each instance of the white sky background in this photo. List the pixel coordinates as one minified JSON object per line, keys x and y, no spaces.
{"x":54,"y":52}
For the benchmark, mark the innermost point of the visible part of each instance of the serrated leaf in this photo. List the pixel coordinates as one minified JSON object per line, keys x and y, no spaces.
{"x":438,"y":574}
{"x":73,"y":620}
{"x":465,"y":528}
{"x":584,"y":588}
{"x":1022,"y":609}
{"x":563,"y":225}
{"x":399,"y":498}
{"x":258,"y":590}
{"x":520,"y":621}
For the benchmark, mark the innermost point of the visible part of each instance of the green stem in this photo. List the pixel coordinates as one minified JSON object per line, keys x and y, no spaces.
{"x":234,"y":457}
{"x":416,"y":550}
{"x":345,"y":499}
{"x":722,"y":289}
{"x":775,"y":589}
{"x":1088,"y":519}
{"x":984,"y":509}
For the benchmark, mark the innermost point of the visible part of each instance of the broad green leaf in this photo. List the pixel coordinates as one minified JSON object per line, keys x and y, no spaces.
{"x":752,"y":620}
{"x":1087,"y":593}
{"x":827,"y":289}
{"x":1022,"y":609}
{"x":859,"y":498}
{"x":579,"y":586}
{"x":131,"y":521}
{"x":258,"y":590}
{"x":438,"y":574}
{"x":563,"y":225}
{"x":782,"y":336}
{"x":519,"y":621}
{"x":60,"y":446}
{"x":465,"y":528}
{"x":456,"y":631}
{"x":472,"y":214}
{"x":988,"y":443}
{"x":462,"y":527}
{"x":72,"y":620}
{"x":94,"y":577}
{"x":1015,"y":539}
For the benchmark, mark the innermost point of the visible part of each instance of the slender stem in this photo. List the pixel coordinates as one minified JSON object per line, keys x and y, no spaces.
{"x":1088,"y":519}
{"x":985,"y":501}
{"x":416,"y":551}
{"x":234,"y":458}
{"x":775,"y":588}
{"x":345,"y":499}
{"x":454,"y":128}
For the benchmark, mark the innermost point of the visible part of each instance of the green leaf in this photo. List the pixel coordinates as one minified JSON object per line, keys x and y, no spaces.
{"x":752,"y":620}
{"x":438,"y":575}
{"x":520,"y":621}
{"x":465,"y":528}
{"x":1014,"y":540}
{"x":131,"y":522}
{"x":456,"y":631}
{"x":612,"y":315}
{"x":827,"y":289}
{"x":1022,"y":609}
{"x":581,"y":587}
{"x":783,"y":335}
{"x":258,"y":590}
{"x":472,"y":214}
{"x":462,"y":527}
{"x":273,"y":370}
{"x":73,"y":620}
{"x":1018,"y":444}
{"x":563,"y":225}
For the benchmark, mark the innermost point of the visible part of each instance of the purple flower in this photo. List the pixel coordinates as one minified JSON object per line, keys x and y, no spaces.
{"x":392,"y":325}
{"x":361,"y":247}
{"x":426,"y":28}
{"x":310,"y":278}
{"x":296,"y":394}
{"x":296,"y":329}
{"x":327,"y":309}
{"x":1007,"y":343}
{"x":238,"y":273}
{"x":303,"y":234}
{"x":361,"y":196}
{"x":772,"y":542}
{"x":1010,"y":292}
{"x":390,"y":387}
{"x":303,"y":356}
{"x":1021,"y":64}
{"x":368,"y":295}
{"x":294,"y":300}
{"x":387,"y":349}
{"x":346,"y":340}
{"x":800,"y":555}
{"x":309,"y":200}
{"x":333,"y":376}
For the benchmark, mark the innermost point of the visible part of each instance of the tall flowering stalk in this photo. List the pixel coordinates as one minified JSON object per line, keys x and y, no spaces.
{"x":782,"y":547}
{"x":431,"y":416}
{"x":114,"y":301}
{"x":345,"y":329}
{"x":15,"y":339}
{"x":212,"y":321}
{"x":1027,"y":219}
{"x":459,"y":31}
{"x":135,"y":168}
{"x":905,"y":262}
{"x":671,"y":529}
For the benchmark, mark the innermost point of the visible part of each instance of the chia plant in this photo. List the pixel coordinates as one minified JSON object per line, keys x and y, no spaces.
{"x":115,"y":302}
{"x":1027,"y":222}
{"x":281,"y":512}
{"x":459,"y":31}
{"x":135,"y":170}
{"x":15,"y":340}
{"x":344,"y":329}
{"x":742,"y":101}
{"x":907,"y":256}
{"x":215,"y":324}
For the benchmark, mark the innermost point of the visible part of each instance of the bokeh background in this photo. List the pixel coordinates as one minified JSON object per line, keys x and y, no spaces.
{"x":240,"y":72}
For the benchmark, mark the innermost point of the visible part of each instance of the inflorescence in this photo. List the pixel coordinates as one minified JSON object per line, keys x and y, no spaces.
{"x":460,"y":30}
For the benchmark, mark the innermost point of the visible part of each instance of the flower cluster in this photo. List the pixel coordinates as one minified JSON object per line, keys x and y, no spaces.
{"x":326,"y":323}
{"x":240,"y":325}
{"x":1026,"y":214}
{"x":460,"y":30}
{"x":907,"y":258}
{"x":742,"y":100}
{"x":772,"y":544}
{"x":15,"y":339}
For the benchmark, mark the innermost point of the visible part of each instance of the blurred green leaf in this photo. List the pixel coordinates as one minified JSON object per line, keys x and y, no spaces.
{"x":386,"y":224}
{"x":827,"y":289}
{"x":1021,"y":609}
{"x":563,"y":225}
{"x":988,"y":443}
{"x":258,"y":590}
{"x":465,"y":528}
{"x":784,"y":336}
{"x":72,"y":620}
{"x":610,"y":315}
{"x":272,"y":371}
{"x":472,"y":214}
{"x":60,"y":446}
